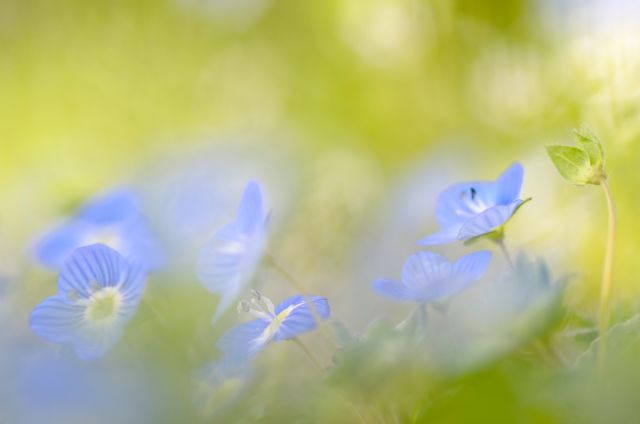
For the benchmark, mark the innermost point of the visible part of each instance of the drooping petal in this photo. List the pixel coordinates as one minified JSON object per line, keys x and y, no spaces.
{"x":244,"y":340}
{"x":508,"y":185}
{"x":488,"y":221}
{"x":118,"y":205}
{"x":91,"y":267}
{"x":57,"y":319}
{"x":228,"y":262}
{"x":446,"y":235}
{"x":295,"y":316}
{"x":251,"y":215}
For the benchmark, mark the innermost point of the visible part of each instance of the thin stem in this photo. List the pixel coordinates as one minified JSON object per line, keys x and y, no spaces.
{"x":297,"y":286}
{"x":308,"y":352}
{"x":607,"y":271}
{"x":505,"y":252}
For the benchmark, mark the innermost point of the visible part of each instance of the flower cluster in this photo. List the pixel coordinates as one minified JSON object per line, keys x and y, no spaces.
{"x":101,"y":284}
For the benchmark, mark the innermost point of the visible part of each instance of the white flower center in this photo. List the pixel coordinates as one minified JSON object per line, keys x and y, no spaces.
{"x":104,"y":305}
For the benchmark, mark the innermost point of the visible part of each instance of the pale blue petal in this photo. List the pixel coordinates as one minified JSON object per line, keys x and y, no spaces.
{"x":56,"y":245}
{"x":131,"y":290}
{"x":89,"y":266}
{"x":114,"y":206}
{"x":96,"y":340}
{"x":57,"y":319}
{"x":320,"y":303}
{"x":301,"y":319}
{"x":228,"y":263}
{"x":446,"y":235}
{"x":472,"y":266}
{"x":508,"y":185}
{"x":488,"y":221}
{"x":424,"y":268}
{"x":244,"y":340}
{"x":251,"y":215}
{"x":391,"y":289}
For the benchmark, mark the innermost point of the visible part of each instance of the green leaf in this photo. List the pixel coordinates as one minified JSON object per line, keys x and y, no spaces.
{"x":591,"y":145}
{"x":572,"y":163}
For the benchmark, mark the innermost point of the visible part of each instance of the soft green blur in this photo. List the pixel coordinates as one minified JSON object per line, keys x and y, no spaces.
{"x":358,"y":93}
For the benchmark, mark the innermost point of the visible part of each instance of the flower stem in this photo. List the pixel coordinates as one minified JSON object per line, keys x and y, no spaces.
{"x":607,"y":271}
{"x":308,"y":352}
{"x":505,"y":252}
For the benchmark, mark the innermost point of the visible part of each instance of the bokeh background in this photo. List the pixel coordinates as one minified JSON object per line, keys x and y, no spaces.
{"x":354,"y":114}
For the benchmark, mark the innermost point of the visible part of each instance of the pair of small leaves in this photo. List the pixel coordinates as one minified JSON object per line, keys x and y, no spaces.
{"x":581,"y":164}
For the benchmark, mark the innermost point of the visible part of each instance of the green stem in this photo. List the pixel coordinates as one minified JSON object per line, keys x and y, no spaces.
{"x":308,"y":352}
{"x":607,"y":271}
{"x":505,"y":252}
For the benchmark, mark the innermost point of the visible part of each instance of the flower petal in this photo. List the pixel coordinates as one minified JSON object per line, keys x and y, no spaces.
{"x":96,"y":340}
{"x":391,"y":289}
{"x":467,"y":270}
{"x":91,"y":265}
{"x":57,"y":319}
{"x":228,"y":262}
{"x":472,"y":266}
{"x":508,"y":185}
{"x":250,"y":212}
{"x":56,"y":245}
{"x":488,"y":221}
{"x":114,"y":206}
{"x":446,"y":235}
{"x":244,"y":340}
{"x":423,"y":268}
{"x":296,"y":317}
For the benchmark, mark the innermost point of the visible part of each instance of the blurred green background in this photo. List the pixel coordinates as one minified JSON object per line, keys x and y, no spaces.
{"x":90,"y":91}
{"x":357,"y":92}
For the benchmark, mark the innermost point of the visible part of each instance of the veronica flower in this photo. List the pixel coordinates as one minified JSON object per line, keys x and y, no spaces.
{"x":472,"y":209}
{"x":113,"y":219}
{"x":428,"y":277}
{"x":289,"y":319}
{"x":229,"y":261}
{"x":98,"y":293}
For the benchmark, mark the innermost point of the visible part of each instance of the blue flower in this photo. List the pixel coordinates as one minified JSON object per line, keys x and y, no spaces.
{"x":289,"y":319}
{"x":228,"y":262}
{"x":98,"y":293}
{"x":428,"y":277}
{"x":471,"y":209}
{"x":114,"y":219}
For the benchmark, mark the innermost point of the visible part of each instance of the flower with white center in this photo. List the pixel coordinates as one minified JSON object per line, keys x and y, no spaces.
{"x":98,"y":293}
{"x":285,"y":321}
{"x":229,"y":261}
{"x":472,"y":209}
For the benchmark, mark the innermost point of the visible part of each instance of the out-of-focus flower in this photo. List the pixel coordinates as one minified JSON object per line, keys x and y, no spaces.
{"x":98,"y":293}
{"x":289,"y":319}
{"x":429,"y":277}
{"x":229,"y":261}
{"x":472,"y":209}
{"x":113,"y":219}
